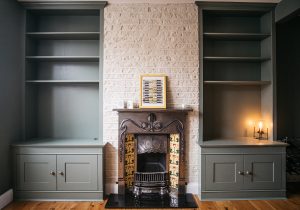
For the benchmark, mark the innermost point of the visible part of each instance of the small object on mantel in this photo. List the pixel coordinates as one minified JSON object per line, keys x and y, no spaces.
{"x":136,"y":105}
{"x":122,"y":105}
{"x":130,"y":105}
{"x":185,"y":106}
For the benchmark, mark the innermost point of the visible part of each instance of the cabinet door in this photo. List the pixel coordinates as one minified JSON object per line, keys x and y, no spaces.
{"x":262,"y":172}
{"x":77,"y":172}
{"x":36,"y":172}
{"x":223,"y":172}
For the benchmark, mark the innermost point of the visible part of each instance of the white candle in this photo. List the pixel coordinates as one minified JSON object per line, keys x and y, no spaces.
{"x":260,"y":125}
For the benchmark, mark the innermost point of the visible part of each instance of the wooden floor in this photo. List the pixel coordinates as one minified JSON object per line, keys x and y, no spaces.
{"x":293,"y":203}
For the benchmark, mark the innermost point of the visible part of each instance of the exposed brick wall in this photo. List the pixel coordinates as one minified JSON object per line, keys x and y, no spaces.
{"x":150,"y":38}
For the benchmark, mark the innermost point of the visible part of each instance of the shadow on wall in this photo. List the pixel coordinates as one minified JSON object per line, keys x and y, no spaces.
{"x":10,"y":85}
{"x":110,"y":168}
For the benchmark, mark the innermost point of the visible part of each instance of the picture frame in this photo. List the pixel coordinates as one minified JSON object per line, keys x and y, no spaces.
{"x":153,"y":91}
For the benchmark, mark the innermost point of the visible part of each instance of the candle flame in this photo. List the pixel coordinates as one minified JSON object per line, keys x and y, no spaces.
{"x":260,"y":125}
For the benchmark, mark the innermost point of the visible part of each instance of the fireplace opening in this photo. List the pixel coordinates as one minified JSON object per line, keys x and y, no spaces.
{"x":151,"y":162}
{"x":151,"y":175}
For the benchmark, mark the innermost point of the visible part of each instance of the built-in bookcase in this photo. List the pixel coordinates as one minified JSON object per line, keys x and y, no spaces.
{"x":60,"y":155}
{"x":63,"y":73}
{"x":236,"y":68}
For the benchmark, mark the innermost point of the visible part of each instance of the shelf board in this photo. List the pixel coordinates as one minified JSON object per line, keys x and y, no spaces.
{"x":56,"y":142}
{"x":64,"y":35}
{"x":63,"y":81}
{"x":237,"y":82}
{"x":236,"y":36}
{"x":63,"y":58}
{"x":234,"y":59}
{"x":240,"y":141}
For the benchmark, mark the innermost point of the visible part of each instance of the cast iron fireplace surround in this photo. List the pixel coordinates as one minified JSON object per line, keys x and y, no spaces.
{"x":151,"y":153}
{"x":151,"y":160}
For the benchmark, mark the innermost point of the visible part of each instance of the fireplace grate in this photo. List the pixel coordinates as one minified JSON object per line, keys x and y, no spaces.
{"x":151,"y":183}
{"x":151,"y":177}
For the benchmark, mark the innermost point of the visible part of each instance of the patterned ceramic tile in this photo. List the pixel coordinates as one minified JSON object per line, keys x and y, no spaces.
{"x":174,"y":160}
{"x":173,"y":163}
{"x":129,"y":160}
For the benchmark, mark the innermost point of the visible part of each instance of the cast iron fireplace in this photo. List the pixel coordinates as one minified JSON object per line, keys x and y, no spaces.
{"x":151,"y":152}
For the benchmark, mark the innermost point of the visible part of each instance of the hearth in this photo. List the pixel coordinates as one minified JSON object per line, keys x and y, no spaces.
{"x":152,"y":153}
{"x":120,"y":201}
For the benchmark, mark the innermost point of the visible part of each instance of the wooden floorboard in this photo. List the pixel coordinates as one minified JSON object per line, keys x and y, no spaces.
{"x":293,"y":203}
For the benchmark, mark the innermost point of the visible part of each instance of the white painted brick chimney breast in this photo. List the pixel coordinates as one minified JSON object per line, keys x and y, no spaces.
{"x":150,"y":38}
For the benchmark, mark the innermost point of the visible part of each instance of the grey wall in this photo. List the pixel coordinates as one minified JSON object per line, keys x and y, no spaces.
{"x":285,"y":9}
{"x":10,"y":85}
{"x":288,"y":78}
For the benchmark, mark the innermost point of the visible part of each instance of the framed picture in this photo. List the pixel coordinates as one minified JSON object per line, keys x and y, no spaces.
{"x":153,"y":91}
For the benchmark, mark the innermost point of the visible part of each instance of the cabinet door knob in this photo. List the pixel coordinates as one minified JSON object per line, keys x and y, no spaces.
{"x":248,"y":172}
{"x":52,"y":173}
{"x":240,"y":173}
{"x":61,"y":173}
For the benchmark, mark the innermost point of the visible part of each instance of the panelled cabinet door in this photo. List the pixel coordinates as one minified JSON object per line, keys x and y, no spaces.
{"x":77,"y":172}
{"x":262,"y":172}
{"x":36,"y":172}
{"x":223,"y":172}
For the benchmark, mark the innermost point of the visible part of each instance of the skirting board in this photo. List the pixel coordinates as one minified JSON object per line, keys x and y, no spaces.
{"x":192,"y":187}
{"x":243,"y":195}
{"x":6,"y":198}
{"x":59,"y":195}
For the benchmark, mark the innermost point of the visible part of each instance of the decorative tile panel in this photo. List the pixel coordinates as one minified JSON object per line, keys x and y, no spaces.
{"x":174,"y":160}
{"x":129,"y":160}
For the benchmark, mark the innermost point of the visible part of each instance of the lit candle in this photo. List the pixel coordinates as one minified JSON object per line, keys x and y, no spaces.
{"x":260,"y":125}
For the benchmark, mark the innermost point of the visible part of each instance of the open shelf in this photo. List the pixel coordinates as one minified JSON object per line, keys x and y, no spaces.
{"x":62,"y":73}
{"x":237,"y":82}
{"x":236,"y":36}
{"x":64,"y":35}
{"x":63,"y":58}
{"x":62,"y":81}
{"x":237,"y":70}
{"x":235,"y":59}
{"x":62,"y":20}
{"x":62,"y":110}
{"x":82,"y":71}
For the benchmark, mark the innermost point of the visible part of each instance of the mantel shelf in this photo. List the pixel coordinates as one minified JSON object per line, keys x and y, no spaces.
{"x":154,"y":110}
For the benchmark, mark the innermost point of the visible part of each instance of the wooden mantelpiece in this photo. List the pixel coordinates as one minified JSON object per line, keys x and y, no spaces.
{"x":155,"y":110}
{"x":151,"y":121}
